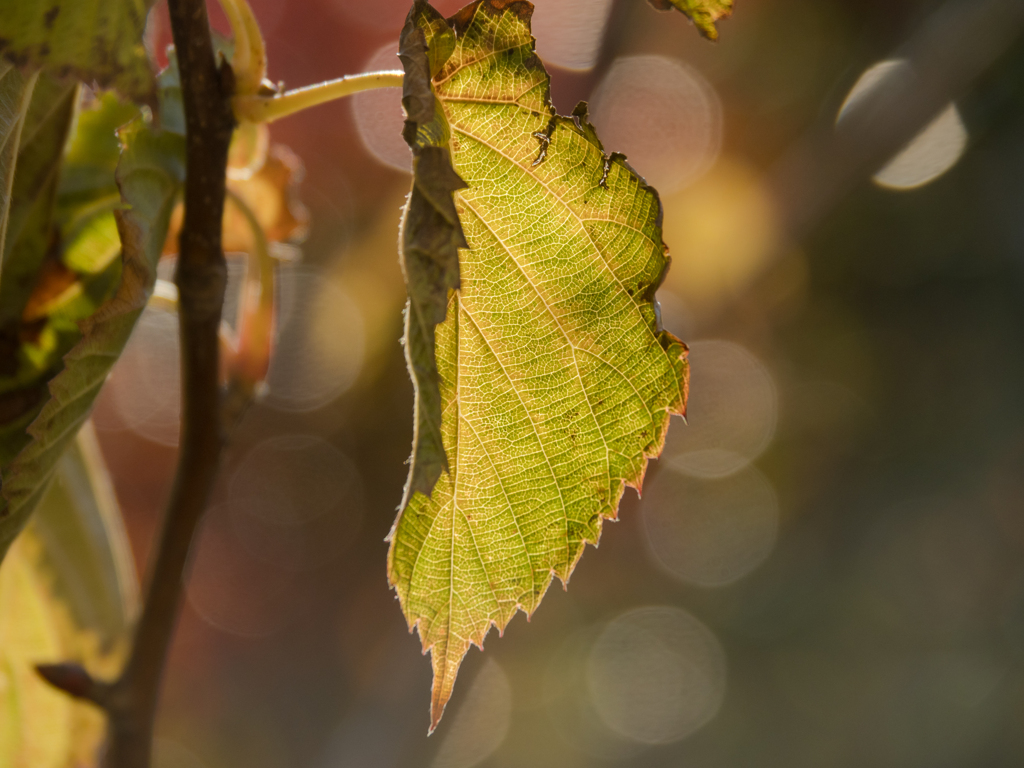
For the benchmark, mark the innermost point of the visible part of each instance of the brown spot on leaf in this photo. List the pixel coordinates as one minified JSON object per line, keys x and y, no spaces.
{"x":51,"y":16}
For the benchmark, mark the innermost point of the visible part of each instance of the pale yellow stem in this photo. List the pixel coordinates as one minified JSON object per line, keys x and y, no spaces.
{"x":266,"y":109}
{"x":248,"y":365}
{"x":249,"y":61}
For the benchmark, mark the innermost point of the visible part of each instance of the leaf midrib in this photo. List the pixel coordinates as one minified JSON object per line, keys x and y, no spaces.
{"x":529,"y":417}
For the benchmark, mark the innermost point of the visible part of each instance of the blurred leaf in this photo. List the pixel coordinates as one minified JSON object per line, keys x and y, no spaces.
{"x":80,"y":527}
{"x":15,"y":95}
{"x":149,"y":175}
{"x":67,"y":592}
{"x":87,"y":183}
{"x":62,"y":246}
{"x":92,"y":40}
{"x":34,"y":193}
{"x":29,"y":354}
{"x":270,"y":193}
{"x":703,"y":13}
{"x":556,"y":381}
{"x":270,"y":190}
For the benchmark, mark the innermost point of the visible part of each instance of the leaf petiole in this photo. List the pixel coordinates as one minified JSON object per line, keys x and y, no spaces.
{"x":266,"y":109}
{"x":250,"y":57}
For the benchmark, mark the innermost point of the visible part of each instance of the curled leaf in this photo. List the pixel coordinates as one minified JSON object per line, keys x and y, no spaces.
{"x":703,"y":13}
{"x":272,"y":194}
{"x":149,"y":175}
{"x":30,"y":352}
{"x":430,"y":236}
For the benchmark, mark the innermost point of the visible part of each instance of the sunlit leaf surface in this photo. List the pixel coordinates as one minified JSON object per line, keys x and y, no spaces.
{"x":556,"y":381}
{"x":92,"y":40}
{"x":703,"y":13}
{"x":15,"y":95}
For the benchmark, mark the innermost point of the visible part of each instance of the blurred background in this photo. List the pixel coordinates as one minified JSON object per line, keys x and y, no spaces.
{"x":827,"y":565}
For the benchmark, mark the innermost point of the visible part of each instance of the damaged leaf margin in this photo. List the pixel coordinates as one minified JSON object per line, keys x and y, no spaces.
{"x":430,"y":236}
{"x":556,"y":380}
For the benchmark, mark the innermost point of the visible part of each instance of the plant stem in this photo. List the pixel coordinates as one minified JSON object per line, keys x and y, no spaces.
{"x":265,"y":109}
{"x":201,"y":278}
{"x":131,"y":701}
{"x":249,"y":61}
{"x":249,"y":360}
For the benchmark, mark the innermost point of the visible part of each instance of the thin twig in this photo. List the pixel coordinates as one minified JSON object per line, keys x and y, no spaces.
{"x":201,"y":277}
{"x":249,"y":359}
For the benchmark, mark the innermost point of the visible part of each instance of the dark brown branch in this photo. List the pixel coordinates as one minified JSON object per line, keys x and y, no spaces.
{"x":131,"y":701}
{"x":201,"y":278}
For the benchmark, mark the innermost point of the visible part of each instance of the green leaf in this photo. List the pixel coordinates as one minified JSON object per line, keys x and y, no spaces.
{"x":92,"y":40}
{"x":26,"y":358}
{"x":15,"y":95}
{"x":703,"y":13}
{"x":87,"y":183}
{"x":149,"y":175}
{"x":34,"y":193}
{"x":79,"y":524}
{"x":67,"y":592}
{"x":556,"y":381}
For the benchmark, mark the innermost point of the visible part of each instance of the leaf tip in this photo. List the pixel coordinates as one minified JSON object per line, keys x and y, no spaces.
{"x":445,"y":671}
